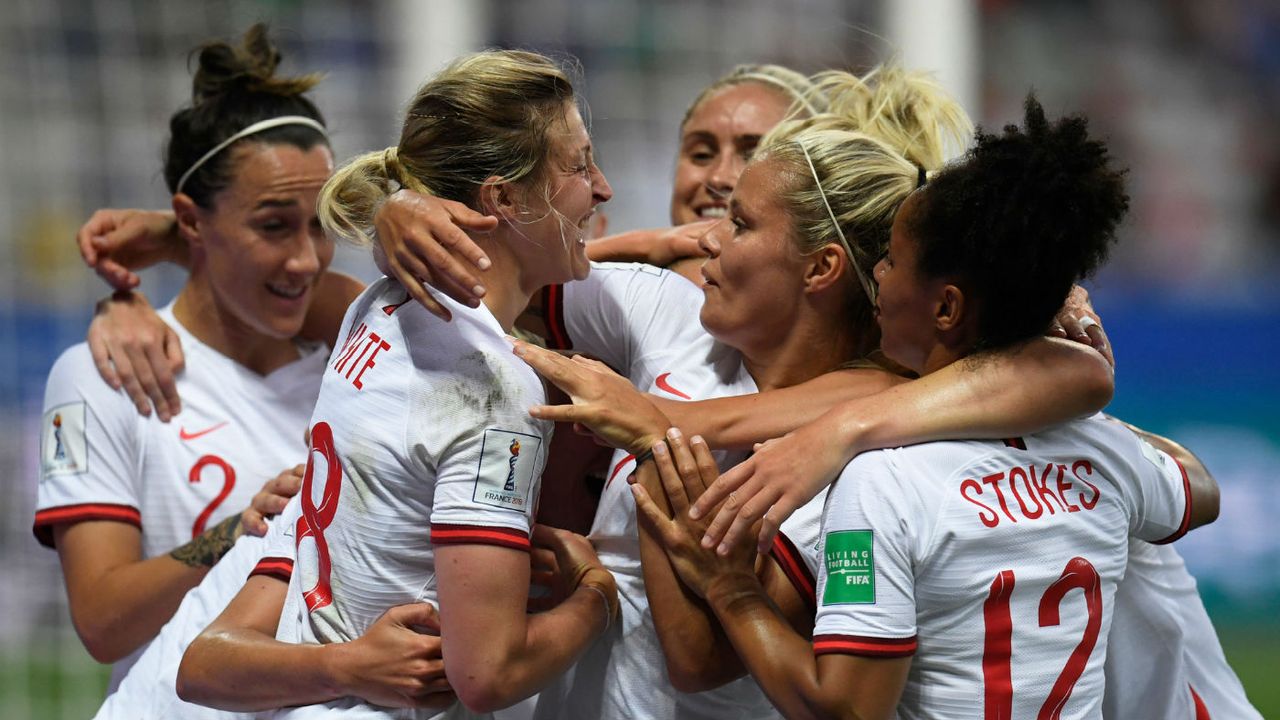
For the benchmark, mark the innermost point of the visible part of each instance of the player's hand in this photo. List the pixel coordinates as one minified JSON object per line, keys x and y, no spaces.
{"x":270,"y":500}
{"x":116,"y":242}
{"x":425,"y":243}
{"x":780,"y":477}
{"x":1077,"y":321}
{"x":604,"y":402}
{"x":685,"y":471}
{"x":546,"y":590}
{"x":397,"y":662}
{"x":576,"y":563}
{"x":134,"y":349}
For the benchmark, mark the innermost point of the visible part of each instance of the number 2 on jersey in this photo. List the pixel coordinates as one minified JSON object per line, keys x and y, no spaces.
{"x":315,"y":518}
{"x":997,"y":673}
{"x":228,"y":482}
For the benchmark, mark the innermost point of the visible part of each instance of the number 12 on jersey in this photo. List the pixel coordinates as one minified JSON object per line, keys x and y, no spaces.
{"x":997,"y":650}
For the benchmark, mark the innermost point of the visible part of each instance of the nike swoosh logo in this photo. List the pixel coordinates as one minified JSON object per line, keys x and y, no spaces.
{"x":182,"y":432}
{"x":662,"y":384}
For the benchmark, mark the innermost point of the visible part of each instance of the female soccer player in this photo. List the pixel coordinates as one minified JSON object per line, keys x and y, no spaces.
{"x":140,"y":510}
{"x":944,"y":550}
{"x":782,"y":306}
{"x":425,"y":464}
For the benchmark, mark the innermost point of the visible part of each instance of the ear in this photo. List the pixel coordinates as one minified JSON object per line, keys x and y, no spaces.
{"x":951,"y":309}
{"x":825,"y":268}
{"x":189,"y":217}
{"x":498,"y":198}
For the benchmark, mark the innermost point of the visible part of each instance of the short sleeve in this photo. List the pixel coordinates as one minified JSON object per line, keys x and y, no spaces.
{"x":795,"y":547}
{"x":279,"y":549}
{"x":620,"y":309}
{"x":488,"y":477}
{"x":866,"y":587}
{"x":89,"y":450}
{"x":1159,"y":494}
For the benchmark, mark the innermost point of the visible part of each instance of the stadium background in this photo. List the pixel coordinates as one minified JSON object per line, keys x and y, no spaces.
{"x":1188,"y":93}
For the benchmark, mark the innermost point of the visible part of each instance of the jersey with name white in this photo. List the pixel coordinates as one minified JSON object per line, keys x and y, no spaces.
{"x":644,"y":322}
{"x":101,"y":460}
{"x":1163,"y":654}
{"x":994,"y":565}
{"x":421,"y":437}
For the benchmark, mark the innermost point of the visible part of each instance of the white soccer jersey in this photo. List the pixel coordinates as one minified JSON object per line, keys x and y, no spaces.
{"x":644,"y":322}
{"x":148,"y":691}
{"x":994,"y":564}
{"x":421,"y":437}
{"x":101,"y":460}
{"x":1163,"y":647}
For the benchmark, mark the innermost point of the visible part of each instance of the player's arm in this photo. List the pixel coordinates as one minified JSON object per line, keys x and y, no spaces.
{"x":1045,"y":383}
{"x":120,"y":601}
{"x":237,"y":664}
{"x":497,"y":653}
{"x":779,"y":658}
{"x":699,"y":655}
{"x":1202,"y":489}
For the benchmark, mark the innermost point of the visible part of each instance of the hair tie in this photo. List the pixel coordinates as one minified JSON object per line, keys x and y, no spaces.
{"x":921,"y":177}
{"x":255,"y":128}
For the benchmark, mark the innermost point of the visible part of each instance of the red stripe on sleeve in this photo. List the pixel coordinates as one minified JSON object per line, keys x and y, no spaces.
{"x":618,"y":468}
{"x":785,"y":553}
{"x":860,"y":645}
{"x":67,"y":514}
{"x":479,"y":535}
{"x":1186,"y":514}
{"x":553,"y":316}
{"x":280,"y":568}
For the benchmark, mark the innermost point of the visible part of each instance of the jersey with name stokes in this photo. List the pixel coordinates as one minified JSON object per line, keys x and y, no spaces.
{"x":644,"y":322}
{"x":101,"y":460}
{"x":421,"y":437}
{"x":995,"y":564}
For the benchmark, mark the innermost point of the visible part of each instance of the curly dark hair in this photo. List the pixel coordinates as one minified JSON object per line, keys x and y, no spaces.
{"x":1022,"y":217}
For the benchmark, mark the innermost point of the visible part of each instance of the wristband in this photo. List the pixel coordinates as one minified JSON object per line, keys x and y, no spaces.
{"x":646,"y":456}
{"x":608,"y":610}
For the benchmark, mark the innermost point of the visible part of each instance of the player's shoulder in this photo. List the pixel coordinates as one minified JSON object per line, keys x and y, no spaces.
{"x":74,"y":373}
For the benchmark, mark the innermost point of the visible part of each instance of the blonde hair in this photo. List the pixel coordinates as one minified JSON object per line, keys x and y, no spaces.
{"x":486,"y":114}
{"x":853,"y":165}
{"x":797,"y":87}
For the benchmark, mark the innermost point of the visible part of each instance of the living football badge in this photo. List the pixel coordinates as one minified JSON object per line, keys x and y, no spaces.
{"x":63,"y":447}
{"x":851,"y":567}
{"x":507,"y":474}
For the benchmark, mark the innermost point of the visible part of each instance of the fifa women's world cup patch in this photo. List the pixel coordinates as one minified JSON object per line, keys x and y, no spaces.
{"x":851,"y":567}
{"x":506,"y":477}
{"x":64,"y":448}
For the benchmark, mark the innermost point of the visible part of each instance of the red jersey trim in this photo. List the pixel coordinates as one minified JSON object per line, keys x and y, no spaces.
{"x":280,"y":568}
{"x":1015,"y":442}
{"x":1202,"y":712}
{"x":67,"y":514}
{"x":861,"y":645}
{"x":479,"y":535}
{"x":618,"y":468}
{"x":1186,"y":514}
{"x":788,"y":557}
{"x":553,"y":316}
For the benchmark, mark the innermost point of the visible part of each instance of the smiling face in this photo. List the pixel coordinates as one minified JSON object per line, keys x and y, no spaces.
{"x":907,"y":302}
{"x":261,"y":248}
{"x":573,"y":187}
{"x":754,"y":276}
{"x":716,"y":142}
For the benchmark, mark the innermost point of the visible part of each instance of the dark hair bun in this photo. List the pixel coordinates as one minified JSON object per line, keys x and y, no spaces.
{"x":250,"y":66}
{"x":1026,"y":214}
{"x":235,"y":86}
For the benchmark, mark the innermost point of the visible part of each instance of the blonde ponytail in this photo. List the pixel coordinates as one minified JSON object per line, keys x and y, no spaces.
{"x":350,"y":198}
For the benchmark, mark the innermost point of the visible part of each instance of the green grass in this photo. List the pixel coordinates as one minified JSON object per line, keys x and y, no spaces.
{"x":1254,"y":653}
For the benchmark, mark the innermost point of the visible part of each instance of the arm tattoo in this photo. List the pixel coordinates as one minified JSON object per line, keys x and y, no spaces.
{"x":208,"y":547}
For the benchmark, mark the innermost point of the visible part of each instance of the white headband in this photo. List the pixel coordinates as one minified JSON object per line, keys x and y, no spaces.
{"x":254,"y":128}
{"x":867,"y":286}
